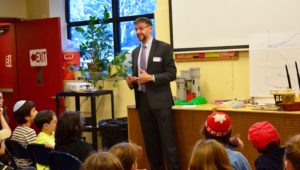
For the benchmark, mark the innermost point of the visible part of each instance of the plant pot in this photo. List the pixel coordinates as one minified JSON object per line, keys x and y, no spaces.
{"x":92,"y":67}
{"x":95,"y":75}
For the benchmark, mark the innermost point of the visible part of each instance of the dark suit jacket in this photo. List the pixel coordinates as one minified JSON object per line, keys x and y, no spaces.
{"x":159,"y":92}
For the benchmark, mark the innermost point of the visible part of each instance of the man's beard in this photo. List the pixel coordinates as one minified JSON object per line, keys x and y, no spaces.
{"x":141,"y":37}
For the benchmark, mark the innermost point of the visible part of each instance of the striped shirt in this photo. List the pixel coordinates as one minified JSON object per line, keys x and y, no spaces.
{"x":24,"y":135}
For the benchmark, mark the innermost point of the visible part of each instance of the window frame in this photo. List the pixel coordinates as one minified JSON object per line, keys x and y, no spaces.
{"x":115,"y":20}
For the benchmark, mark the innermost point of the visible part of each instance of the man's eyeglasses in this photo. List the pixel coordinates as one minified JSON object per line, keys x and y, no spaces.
{"x":141,"y":28}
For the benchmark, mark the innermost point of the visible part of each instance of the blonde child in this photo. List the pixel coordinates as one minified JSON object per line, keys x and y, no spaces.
{"x":208,"y":155}
{"x":128,"y":154}
{"x":102,"y":160}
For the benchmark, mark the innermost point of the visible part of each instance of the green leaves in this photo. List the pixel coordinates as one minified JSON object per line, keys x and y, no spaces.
{"x":97,"y":48}
{"x":119,"y":59}
{"x":98,"y":39}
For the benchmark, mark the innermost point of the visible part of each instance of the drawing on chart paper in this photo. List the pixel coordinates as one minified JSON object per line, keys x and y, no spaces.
{"x":268,"y":55}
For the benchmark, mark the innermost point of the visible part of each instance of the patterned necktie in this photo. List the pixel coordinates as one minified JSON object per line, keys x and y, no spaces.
{"x":143,"y":65}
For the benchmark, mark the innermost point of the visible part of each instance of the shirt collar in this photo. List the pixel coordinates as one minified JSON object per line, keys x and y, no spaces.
{"x":148,"y":44}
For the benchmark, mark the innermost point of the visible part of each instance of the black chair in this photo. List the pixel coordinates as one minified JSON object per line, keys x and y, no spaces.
{"x":62,"y":161}
{"x":17,"y":151}
{"x":40,"y":153}
{"x":6,"y":167}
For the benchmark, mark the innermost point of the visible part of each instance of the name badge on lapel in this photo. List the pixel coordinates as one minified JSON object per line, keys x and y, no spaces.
{"x":156,"y":59}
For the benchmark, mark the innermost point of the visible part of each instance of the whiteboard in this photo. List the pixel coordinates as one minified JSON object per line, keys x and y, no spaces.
{"x":269,"y":52}
{"x":228,"y":23}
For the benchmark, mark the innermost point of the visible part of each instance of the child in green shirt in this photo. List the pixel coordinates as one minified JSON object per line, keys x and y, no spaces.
{"x":46,"y":121}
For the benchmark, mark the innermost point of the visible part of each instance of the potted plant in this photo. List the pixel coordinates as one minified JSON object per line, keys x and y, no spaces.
{"x":96,"y":47}
{"x":97,"y":50}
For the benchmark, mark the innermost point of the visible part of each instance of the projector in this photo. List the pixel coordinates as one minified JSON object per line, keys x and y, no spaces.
{"x":79,"y":86}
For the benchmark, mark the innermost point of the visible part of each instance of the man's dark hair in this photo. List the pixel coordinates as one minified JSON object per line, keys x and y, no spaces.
{"x":44,"y":116}
{"x":143,"y":20}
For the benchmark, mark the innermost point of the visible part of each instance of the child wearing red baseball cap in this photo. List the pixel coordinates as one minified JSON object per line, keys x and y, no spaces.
{"x":265,"y":138}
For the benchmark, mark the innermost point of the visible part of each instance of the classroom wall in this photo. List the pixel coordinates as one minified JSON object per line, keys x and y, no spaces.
{"x":37,"y":9}
{"x":162,"y":20}
{"x":25,"y":9}
{"x":57,"y":9}
{"x":13,"y":9}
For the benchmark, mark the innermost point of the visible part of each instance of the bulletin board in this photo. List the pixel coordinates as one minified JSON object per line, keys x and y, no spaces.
{"x":207,"y":25}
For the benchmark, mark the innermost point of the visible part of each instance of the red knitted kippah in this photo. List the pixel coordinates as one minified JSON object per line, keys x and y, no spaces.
{"x":260,"y":134}
{"x":218,"y":124}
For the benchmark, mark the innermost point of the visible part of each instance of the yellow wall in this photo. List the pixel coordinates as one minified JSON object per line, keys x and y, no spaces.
{"x":162,"y":25}
{"x":25,"y":9}
{"x":37,"y":9}
{"x":223,"y":79}
{"x":13,"y":9}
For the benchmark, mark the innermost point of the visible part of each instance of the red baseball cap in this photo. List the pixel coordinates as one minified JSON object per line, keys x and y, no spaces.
{"x":260,"y":134}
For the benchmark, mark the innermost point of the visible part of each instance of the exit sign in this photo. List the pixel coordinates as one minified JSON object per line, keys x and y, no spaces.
{"x":38,"y":57}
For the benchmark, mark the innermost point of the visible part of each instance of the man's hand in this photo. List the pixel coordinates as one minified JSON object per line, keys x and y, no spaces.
{"x":144,"y":77}
{"x":131,"y":80}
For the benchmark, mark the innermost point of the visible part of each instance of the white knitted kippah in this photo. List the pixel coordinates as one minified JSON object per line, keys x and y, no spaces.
{"x":18,"y":105}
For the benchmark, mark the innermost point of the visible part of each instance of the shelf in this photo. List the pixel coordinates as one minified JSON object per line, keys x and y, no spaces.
{"x":207,"y":56}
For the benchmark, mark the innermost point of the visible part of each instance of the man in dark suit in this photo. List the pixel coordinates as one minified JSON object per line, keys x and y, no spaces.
{"x":153,"y":69}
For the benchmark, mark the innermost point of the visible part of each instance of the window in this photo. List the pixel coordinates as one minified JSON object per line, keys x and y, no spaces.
{"x":122,"y":12}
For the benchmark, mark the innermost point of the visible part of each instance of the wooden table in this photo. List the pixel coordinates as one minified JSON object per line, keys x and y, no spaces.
{"x":189,"y":120}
